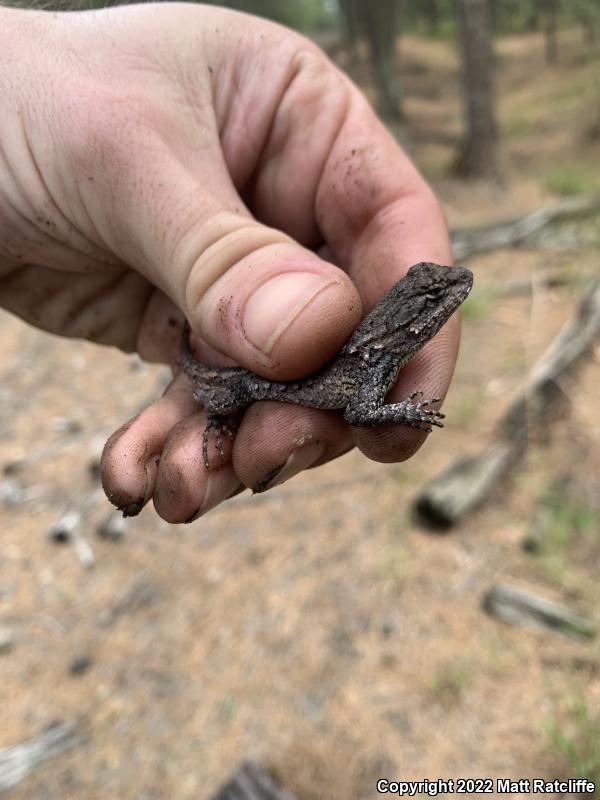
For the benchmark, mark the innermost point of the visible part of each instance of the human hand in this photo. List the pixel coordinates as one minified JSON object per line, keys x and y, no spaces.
{"x":170,"y":160}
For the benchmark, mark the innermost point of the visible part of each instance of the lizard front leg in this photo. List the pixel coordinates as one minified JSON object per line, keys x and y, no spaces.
{"x":367,"y":408}
{"x":220,"y":402}
{"x":219,"y":424}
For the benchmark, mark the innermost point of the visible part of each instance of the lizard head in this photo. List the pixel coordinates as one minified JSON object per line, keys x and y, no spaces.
{"x":431,"y":295}
{"x":412,"y":311}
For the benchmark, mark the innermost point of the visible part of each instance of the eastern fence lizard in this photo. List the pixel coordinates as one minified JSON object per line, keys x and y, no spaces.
{"x":357,"y":379}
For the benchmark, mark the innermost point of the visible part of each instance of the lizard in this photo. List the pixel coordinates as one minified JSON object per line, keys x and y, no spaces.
{"x":357,"y":379}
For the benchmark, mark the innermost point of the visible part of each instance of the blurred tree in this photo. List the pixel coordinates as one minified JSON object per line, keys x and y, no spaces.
{"x":303,"y":15}
{"x":432,"y":12}
{"x":478,"y":156}
{"x":587,"y":13}
{"x":428,"y":17}
{"x":307,"y":16}
{"x":378,"y":23}
{"x":513,"y":16}
{"x":533,"y":17}
{"x":348,"y":12}
{"x":549,"y":12}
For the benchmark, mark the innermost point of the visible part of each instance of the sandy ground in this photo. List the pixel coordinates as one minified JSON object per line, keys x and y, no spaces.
{"x":317,"y":628}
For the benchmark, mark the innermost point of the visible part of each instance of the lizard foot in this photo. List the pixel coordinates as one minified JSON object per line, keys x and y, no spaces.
{"x":422,"y":417}
{"x":219,"y":425}
{"x":417,"y":415}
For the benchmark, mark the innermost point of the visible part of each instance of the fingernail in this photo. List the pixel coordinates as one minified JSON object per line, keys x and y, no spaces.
{"x":301,"y":458}
{"x":276,"y":303}
{"x":133,"y":508}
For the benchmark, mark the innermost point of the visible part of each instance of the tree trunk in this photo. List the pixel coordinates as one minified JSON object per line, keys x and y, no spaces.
{"x":478,"y":157}
{"x":378,"y":25}
{"x":587,"y":12}
{"x":589,"y":33}
{"x":533,"y":18}
{"x":431,"y":10}
{"x":350,"y":24}
{"x":494,"y":12}
{"x":381,"y":22}
{"x":550,"y":10}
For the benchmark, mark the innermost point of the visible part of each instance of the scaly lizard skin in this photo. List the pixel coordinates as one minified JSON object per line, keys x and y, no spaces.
{"x":359,"y":376}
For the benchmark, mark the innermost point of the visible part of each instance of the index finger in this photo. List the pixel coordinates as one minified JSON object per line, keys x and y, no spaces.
{"x":376,"y":212}
{"x":378,"y":216}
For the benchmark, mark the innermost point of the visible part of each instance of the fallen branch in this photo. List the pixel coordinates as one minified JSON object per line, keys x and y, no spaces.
{"x":466,"y":483}
{"x":251,"y":782}
{"x":17,"y":762}
{"x":546,"y":279}
{"x":513,"y":232}
{"x":527,"y":609}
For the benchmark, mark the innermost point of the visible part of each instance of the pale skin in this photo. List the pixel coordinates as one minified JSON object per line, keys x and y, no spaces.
{"x":162,"y":161}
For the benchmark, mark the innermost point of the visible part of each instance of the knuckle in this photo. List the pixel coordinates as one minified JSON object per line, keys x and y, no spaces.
{"x":320,"y":80}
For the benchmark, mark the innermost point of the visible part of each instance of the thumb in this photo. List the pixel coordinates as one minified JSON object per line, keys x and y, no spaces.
{"x":250,"y":291}
{"x":270,"y":304}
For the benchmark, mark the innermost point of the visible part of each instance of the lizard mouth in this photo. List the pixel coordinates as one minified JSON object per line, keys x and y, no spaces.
{"x":468,"y":277}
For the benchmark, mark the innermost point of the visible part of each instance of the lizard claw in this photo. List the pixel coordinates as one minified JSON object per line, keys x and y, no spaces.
{"x":432,"y":418}
{"x":428,"y":413}
{"x":229,"y":427}
{"x":219,"y":425}
{"x":424,"y":417}
{"x":429,"y":402}
{"x":426,"y":428}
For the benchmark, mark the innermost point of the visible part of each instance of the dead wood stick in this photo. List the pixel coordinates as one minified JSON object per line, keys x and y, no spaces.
{"x":546,"y":279}
{"x":17,"y":762}
{"x":251,"y":782}
{"x":466,"y":483}
{"x":512,"y":232}
{"x":525,"y":608}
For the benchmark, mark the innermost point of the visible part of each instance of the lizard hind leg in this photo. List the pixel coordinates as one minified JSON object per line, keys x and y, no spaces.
{"x":220,"y":425}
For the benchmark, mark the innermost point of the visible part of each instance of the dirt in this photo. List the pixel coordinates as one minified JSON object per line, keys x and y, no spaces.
{"x":318,"y":628}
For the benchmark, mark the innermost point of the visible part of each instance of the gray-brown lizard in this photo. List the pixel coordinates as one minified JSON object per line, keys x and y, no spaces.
{"x":357,"y":379}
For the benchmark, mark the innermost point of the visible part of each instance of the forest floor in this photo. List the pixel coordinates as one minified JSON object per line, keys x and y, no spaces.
{"x":317,"y":628}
